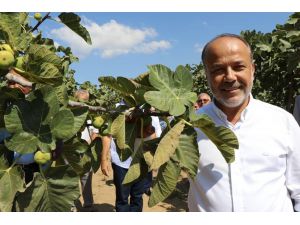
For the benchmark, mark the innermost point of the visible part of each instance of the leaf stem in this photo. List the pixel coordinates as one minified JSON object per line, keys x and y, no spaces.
{"x":187,"y":123}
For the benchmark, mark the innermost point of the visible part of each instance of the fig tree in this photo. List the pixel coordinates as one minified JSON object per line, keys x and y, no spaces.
{"x":7,"y":59}
{"x":42,"y":157}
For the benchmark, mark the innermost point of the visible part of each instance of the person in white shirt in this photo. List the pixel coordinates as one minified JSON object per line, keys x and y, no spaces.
{"x":135,"y":190}
{"x":265,"y":175}
{"x":88,"y":134}
{"x":203,"y":99}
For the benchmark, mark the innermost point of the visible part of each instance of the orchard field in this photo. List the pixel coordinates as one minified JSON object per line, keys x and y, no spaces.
{"x":42,"y":118}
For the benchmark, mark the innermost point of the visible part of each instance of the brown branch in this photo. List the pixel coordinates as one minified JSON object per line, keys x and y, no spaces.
{"x":91,"y":108}
{"x":40,"y":22}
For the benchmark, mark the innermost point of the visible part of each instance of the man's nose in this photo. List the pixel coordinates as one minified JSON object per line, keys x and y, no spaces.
{"x":230,"y":75}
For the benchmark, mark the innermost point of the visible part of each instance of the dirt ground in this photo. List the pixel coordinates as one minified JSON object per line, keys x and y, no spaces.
{"x":104,"y":196}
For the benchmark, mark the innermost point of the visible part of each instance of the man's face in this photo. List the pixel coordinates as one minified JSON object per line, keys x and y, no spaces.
{"x":203,"y":99}
{"x":230,"y":71}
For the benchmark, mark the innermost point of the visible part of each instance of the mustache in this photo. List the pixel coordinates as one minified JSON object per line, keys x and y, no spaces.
{"x":234,"y":85}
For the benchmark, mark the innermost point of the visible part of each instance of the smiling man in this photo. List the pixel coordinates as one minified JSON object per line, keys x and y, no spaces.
{"x":265,"y":175}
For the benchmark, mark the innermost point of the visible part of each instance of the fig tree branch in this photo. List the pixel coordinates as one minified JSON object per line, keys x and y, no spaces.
{"x":40,"y":22}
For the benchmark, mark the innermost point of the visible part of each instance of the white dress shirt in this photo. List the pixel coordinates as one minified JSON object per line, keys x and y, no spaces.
{"x":265,"y":175}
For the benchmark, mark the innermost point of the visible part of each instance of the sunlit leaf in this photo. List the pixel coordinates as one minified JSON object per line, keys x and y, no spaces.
{"x":23,"y":143}
{"x":138,"y":168}
{"x":225,"y":140}
{"x":187,"y":152}
{"x":118,"y":131}
{"x":11,"y":181}
{"x":72,"y":21}
{"x":55,"y":192}
{"x":167,"y":146}
{"x":43,"y":54}
{"x":11,"y":29}
{"x":174,"y":89}
{"x":165,"y":183}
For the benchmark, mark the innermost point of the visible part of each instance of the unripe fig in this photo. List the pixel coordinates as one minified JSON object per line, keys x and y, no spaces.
{"x":7,"y":48}
{"x":42,"y":157}
{"x":38,"y":16}
{"x":98,"y":121}
{"x":7,"y":59}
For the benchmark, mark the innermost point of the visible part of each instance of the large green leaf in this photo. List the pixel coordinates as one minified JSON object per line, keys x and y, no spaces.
{"x":30,"y":120}
{"x":3,"y":159}
{"x":43,"y":73}
{"x":118,"y":131}
{"x":40,"y":53}
{"x":80,"y":115}
{"x":165,"y":183}
{"x":167,"y":146}
{"x":149,"y":148}
{"x":62,"y":124}
{"x":121,"y":84}
{"x":11,"y":29}
{"x":225,"y":140}
{"x":143,"y":79}
{"x":23,"y":142}
{"x":55,"y":192}
{"x":187,"y":152}
{"x":11,"y":181}
{"x":96,"y":149}
{"x":174,"y":89}
{"x":72,"y":21}
{"x":62,"y":94}
{"x":125,"y":134}
{"x":73,"y":152}
{"x":138,"y":167}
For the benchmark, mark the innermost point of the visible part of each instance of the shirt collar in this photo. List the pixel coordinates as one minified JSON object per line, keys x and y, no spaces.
{"x":244,"y":113}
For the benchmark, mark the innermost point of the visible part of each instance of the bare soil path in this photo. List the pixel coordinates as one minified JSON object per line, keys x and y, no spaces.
{"x":104,"y":197}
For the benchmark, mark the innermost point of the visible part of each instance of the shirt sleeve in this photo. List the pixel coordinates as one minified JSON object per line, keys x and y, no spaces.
{"x":293,"y":163}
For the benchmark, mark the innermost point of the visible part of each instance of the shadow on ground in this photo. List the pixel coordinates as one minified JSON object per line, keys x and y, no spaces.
{"x":105,"y":207}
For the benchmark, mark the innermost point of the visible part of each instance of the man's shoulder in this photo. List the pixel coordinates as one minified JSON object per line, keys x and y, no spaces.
{"x":270,"y":109}
{"x":268,"y":106}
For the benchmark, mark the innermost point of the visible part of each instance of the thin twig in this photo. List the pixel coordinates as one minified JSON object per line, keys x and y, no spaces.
{"x":40,"y":22}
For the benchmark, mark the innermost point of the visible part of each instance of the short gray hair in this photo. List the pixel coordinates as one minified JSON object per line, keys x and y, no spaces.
{"x":204,"y":51}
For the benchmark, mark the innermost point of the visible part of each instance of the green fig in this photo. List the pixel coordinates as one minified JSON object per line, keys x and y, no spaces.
{"x":98,"y":121}
{"x":7,"y":59}
{"x":38,"y":16}
{"x":42,"y":157}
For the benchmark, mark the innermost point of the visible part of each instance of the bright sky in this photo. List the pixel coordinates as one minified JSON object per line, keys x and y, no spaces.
{"x":128,"y":35}
{"x":125,"y":43}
